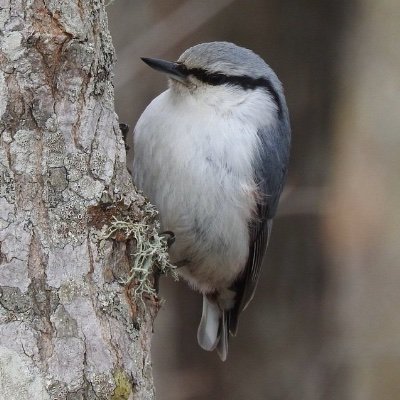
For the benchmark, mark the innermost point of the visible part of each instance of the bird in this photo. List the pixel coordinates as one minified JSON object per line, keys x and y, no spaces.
{"x":211,"y":153}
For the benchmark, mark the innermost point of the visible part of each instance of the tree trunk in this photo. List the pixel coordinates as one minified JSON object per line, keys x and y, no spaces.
{"x":69,"y":326}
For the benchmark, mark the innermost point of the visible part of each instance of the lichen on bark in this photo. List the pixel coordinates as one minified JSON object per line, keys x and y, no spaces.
{"x":68,"y":328}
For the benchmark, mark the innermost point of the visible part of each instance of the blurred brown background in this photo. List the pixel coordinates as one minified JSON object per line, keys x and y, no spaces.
{"x":325,"y":321}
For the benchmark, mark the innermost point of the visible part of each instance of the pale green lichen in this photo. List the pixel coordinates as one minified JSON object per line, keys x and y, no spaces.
{"x":150,"y":254}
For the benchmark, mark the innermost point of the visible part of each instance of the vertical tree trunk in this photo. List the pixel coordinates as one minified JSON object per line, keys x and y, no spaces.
{"x":68,"y":328}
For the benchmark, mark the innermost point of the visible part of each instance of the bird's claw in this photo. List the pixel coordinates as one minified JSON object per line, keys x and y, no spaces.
{"x":125,"y":130}
{"x":170,"y":237}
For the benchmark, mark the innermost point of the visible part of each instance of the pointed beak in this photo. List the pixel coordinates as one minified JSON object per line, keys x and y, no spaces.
{"x":172,"y":69}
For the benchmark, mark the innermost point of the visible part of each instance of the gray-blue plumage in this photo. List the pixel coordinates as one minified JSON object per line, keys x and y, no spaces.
{"x":270,"y":170}
{"x":212,"y":152}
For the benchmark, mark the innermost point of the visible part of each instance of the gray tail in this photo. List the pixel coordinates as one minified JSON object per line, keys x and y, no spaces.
{"x":213,"y":329}
{"x":222,"y":347}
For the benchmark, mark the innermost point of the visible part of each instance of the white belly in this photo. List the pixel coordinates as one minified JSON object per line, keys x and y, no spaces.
{"x":196,"y":167}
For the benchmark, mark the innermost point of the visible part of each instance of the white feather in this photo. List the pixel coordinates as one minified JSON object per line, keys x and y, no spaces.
{"x":194,"y":153}
{"x":207,"y":333}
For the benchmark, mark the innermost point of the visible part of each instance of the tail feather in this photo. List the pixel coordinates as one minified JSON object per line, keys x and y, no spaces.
{"x":222,"y":347}
{"x":207,"y":334}
{"x":213,"y":330}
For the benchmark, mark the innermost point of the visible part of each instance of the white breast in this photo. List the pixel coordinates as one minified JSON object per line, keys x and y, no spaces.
{"x":194,"y":161}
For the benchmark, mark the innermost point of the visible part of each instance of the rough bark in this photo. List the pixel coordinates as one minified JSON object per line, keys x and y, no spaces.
{"x":69,"y":329}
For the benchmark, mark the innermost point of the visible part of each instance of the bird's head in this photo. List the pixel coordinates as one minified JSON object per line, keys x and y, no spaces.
{"x":220,"y":67}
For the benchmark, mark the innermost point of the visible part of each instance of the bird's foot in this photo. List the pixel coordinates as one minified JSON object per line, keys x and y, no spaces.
{"x":170,"y":237}
{"x":125,"y":130}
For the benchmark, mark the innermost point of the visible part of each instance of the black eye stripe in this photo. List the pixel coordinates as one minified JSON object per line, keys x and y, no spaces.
{"x":246,"y":82}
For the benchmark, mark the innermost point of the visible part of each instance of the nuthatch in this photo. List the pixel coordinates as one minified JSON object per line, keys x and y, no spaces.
{"x":211,"y":153}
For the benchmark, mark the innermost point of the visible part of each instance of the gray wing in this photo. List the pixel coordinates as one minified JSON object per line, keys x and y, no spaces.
{"x":270,"y":170}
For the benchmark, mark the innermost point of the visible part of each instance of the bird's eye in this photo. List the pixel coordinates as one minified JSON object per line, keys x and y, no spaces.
{"x":182,"y":68}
